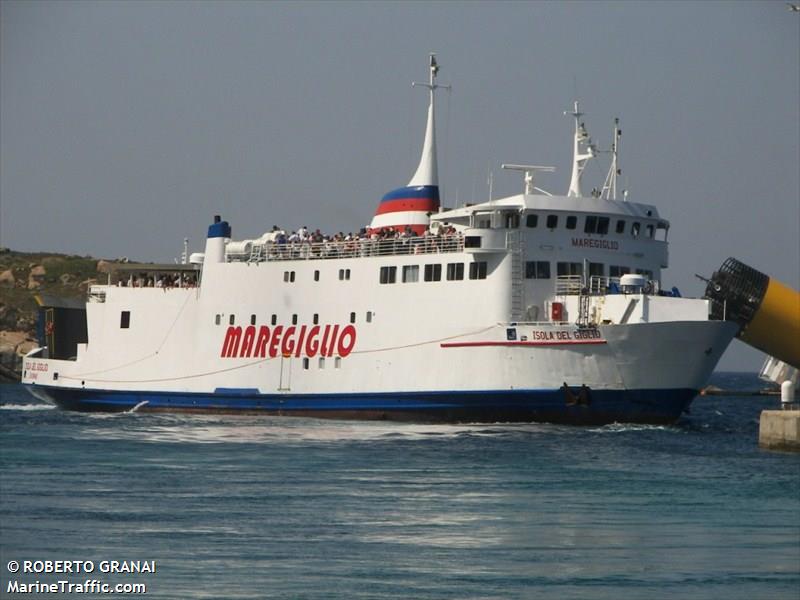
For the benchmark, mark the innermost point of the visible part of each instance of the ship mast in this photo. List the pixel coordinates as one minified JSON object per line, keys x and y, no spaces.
{"x":610,"y":186}
{"x":583,"y":150}
{"x":427,"y":172}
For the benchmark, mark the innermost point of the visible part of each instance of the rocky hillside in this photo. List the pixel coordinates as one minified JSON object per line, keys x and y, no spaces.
{"x":22,"y":276}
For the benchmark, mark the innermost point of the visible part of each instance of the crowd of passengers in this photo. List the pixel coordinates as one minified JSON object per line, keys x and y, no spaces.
{"x":304,"y":243}
{"x":159,"y":281}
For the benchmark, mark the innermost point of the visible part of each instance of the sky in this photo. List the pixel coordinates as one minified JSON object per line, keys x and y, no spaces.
{"x":125,"y":126}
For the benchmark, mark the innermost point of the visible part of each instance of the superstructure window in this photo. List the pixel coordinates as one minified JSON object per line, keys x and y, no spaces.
{"x":125,"y":319}
{"x":537,"y":269}
{"x":352,"y":317}
{"x":344,"y":274}
{"x":294,"y":319}
{"x":410,"y":273}
{"x":572,"y":222}
{"x":252,"y":319}
{"x":274,"y":319}
{"x":531,"y":221}
{"x":635,"y":229}
{"x":621,"y":226}
{"x":433,"y":272}
{"x":596,"y":269}
{"x":651,"y":231}
{"x":618,"y":271}
{"x":602,"y":225}
{"x":646,"y":272}
{"x":569,"y":268}
{"x":217,"y":319}
{"x":315,"y":319}
{"x":477,"y":270}
{"x":388,"y":275}
{"x":232,"y":320}
{"x":552,"y":221}
{"x":590,"y":225}
{"x":288,"y":276}
{"x":316,"y":275}
{"x":455,"y":271}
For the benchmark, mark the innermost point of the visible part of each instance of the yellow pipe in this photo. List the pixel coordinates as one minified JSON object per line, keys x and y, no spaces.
{"x":775,"y":327}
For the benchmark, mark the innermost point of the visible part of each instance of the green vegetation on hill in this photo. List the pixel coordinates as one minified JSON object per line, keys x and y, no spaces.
{"x":23,"y":275}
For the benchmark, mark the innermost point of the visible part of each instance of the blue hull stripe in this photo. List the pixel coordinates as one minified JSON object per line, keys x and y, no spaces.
{"x":553,"y":405}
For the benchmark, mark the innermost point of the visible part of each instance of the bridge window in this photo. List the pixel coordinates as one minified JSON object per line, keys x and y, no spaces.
{"x":477,"y":270}
{"x":410,"y":273}
{"x":602,"y":225}
{"x":572,"y":222}
{"x":552,"y":221}
{"x":433,"y":272}
{"x":621,"y":226}
{"x":511,"y":220}
{"x":455,"y":271}
{"x":388,"y":275}
{"x":531,"y":221}
{"x":590,"y":226}
{"x":125,"y":319}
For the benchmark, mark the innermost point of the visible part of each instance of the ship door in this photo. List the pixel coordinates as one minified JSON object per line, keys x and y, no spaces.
{"x":285,"y":383}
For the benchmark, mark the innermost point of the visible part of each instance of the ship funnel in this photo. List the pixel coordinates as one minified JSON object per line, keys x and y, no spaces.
{"x":219,"y":233}
{"x":411,"y":206}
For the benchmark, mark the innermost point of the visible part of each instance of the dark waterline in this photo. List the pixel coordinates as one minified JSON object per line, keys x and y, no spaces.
{"x":270,"y":507}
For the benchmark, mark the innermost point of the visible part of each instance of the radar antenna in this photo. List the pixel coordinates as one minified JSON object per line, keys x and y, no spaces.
{"x":529,"y":171}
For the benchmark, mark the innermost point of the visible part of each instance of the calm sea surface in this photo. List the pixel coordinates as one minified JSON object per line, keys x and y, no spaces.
{"x":264,"y":507}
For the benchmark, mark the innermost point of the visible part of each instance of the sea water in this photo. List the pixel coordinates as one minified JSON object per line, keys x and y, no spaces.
{"x":271,"y":507}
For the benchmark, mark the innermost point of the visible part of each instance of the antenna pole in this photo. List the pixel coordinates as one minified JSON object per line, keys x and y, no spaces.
{"x":579,"y":156}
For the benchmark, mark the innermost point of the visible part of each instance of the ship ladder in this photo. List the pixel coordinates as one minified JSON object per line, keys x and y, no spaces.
{"x":583,"y":309}
{"x":515,"y":246}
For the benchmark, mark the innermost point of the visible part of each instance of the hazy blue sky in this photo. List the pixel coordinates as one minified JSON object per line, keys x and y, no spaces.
{"x":124,"y":126}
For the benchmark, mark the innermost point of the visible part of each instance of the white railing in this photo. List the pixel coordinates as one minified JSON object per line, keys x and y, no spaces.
{"x":357,"y":248}
{"x":572,"y":285}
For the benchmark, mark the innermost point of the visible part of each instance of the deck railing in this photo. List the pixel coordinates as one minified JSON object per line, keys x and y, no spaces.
{"x":357,"y":248}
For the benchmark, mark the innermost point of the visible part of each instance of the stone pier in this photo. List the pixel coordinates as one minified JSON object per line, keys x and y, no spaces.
{"x":779,"y":430}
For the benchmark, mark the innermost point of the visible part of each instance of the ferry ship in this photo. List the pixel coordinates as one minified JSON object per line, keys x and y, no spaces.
{"x":533,"y":307}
